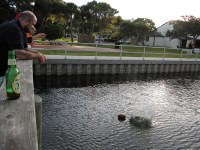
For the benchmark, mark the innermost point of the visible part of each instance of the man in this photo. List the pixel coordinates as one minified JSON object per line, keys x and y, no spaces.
{"x":31,"y":35}
{"x":13,"y":37}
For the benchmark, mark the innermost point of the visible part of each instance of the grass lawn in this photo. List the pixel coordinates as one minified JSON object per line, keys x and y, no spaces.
{"x":127,"y":51}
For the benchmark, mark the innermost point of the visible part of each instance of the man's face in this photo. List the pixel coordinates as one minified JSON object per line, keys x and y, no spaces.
{"x":29,"y":25}
{"x":33,"y":30}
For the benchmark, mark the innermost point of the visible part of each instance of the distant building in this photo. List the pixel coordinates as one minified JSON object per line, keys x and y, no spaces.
{"x":159,"y":38}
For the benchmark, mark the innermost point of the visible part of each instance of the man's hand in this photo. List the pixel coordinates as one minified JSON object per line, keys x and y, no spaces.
{"x":41,"y":58}
{"x":39,"y":35}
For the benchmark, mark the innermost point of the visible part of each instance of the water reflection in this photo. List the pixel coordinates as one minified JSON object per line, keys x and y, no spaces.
{"x":77,"y":117}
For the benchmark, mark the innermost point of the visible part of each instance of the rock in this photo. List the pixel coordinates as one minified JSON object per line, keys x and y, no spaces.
{"x":121,"y":117}
{"x":140,"y":122}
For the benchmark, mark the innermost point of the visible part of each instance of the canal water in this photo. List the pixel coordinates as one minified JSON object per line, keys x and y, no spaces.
{"x":80,"y":113}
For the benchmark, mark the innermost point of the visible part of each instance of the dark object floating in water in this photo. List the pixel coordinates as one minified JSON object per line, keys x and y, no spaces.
{"x":140,"y":122}
{"x":121,"y":117}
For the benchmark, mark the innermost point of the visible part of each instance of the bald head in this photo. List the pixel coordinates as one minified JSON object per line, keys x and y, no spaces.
{"x":27,"y":20}
{"x":27,"y":15}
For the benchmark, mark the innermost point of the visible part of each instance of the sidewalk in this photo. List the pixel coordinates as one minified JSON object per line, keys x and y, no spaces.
{"x":118,"y":58}
{"x":69,"y":47}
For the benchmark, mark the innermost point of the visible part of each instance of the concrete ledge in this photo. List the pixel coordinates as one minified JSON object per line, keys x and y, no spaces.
{"x":17,"y":117}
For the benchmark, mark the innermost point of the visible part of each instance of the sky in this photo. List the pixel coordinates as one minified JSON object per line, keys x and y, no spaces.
{"x":159,"y":11}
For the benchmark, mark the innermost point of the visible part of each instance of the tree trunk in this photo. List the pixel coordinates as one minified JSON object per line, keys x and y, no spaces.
{"x":71,"y":29}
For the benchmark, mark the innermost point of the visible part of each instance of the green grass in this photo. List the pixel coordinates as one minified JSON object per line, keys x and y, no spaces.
{"x":127,"y":51}
{"x":69,"y":53}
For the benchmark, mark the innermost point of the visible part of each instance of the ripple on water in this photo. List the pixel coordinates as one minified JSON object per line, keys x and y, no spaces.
{"x":86,"y":117}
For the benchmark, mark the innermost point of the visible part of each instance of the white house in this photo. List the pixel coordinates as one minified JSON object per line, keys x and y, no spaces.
{"x":159,"y":38}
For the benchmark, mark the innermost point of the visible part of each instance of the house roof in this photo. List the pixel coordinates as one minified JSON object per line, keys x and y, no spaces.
{"x":168,"y":22}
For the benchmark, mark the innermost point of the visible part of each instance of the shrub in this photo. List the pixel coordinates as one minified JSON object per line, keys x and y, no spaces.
{"x":53,"y":31}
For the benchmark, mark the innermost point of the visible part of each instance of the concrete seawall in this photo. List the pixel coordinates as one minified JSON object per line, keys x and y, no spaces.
{"x":18,"y":128}
{"x":111,"y":66}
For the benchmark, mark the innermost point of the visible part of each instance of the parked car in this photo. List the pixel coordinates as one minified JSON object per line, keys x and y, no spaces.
{"x":123,"y":41}
{"x":126,"y":41}
{"x":97,"y":38}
